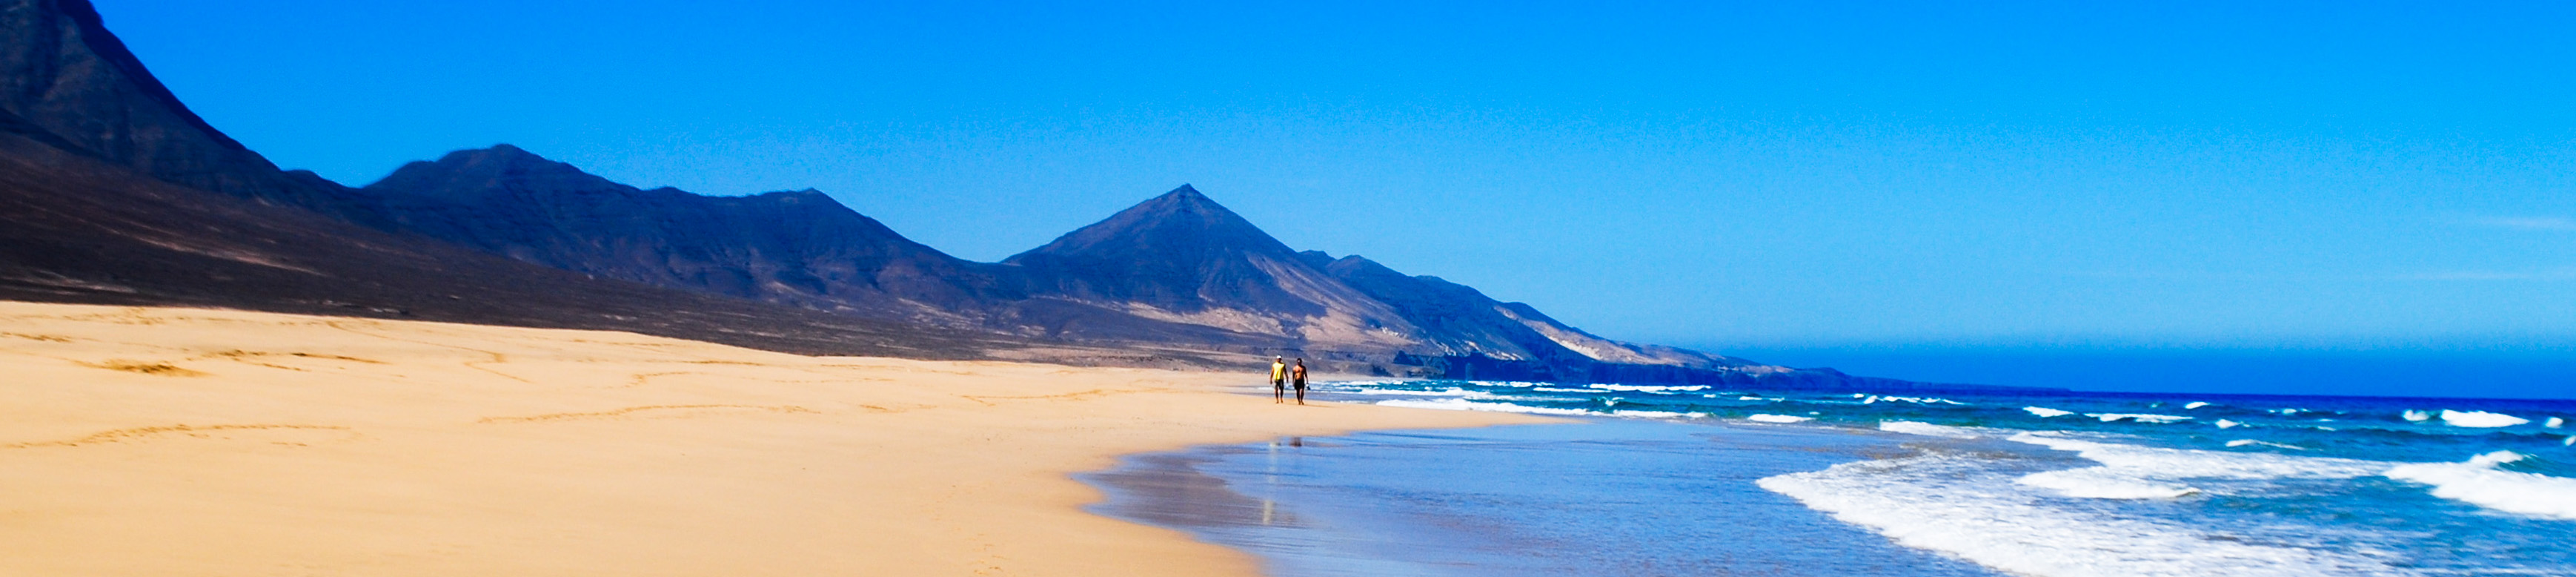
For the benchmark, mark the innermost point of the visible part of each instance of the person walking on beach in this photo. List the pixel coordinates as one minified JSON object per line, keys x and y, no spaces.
{"x":1299,"y":373}
{"x":1278,"y":380}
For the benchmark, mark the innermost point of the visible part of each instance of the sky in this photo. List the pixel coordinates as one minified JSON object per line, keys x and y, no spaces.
{"x":1942,"y":191}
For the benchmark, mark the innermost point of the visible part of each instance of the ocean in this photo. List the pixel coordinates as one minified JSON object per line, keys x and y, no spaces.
{"x":1711,"y":481}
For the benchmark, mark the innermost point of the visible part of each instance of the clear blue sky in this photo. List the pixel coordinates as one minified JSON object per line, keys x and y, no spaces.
{"x":1820,"y":182}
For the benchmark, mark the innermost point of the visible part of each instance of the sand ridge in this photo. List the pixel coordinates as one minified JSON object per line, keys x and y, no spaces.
{"x":161,"y":441}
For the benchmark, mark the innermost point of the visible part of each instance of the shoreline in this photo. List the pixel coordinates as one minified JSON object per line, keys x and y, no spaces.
{"x":1431,"y":502}
{"x":167,"y":440}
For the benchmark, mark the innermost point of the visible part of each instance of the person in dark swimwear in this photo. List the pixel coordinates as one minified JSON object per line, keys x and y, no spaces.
{"x":1299,"y":374}
{"x":1278,"y":380}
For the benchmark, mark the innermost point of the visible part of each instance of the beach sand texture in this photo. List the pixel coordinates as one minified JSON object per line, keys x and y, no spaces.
{"x":159,"y":441}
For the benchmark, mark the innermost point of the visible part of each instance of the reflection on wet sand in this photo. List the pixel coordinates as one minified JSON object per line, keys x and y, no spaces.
{"x":1167,"y":489}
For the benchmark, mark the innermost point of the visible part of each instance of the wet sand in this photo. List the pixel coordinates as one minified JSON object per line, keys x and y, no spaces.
{"x":156,"y":441}
{"x":1610,"y":498}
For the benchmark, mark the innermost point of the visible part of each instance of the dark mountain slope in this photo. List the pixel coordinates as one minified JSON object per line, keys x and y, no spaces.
{"x":799,"y":248}
{"x":112,"y":192}
{"x":61,"y":71}
{"x":1181,"y":257}
{"x":77,"y":229}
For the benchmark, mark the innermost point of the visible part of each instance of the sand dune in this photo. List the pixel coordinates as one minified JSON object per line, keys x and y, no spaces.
{"x":151,"y":441}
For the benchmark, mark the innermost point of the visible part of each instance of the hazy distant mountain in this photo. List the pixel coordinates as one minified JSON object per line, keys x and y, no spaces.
{"x":1462,"y":321}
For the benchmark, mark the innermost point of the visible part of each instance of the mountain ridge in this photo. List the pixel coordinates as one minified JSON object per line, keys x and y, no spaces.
{"x":1178,"y":268}
{"x":115,"y":192}
{"x":178,"y":214}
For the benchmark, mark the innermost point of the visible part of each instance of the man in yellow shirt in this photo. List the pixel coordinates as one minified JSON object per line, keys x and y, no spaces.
{"x":1278,"y":380}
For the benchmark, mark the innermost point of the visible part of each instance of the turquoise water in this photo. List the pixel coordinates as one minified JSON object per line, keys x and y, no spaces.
{"x":1703,"y":481}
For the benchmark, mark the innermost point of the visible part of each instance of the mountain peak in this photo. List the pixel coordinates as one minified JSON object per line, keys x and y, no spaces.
{"x":501,"y":154}
{"x":501,"y":166}
{"x":807,"y":198}
{"x":1182,"y":251}
{"x":1180,"y":222}
{"x":505,"y":150}
{"x":1187,"y":200}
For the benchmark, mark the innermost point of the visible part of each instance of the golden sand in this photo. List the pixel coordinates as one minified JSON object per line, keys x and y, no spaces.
{"x":157,"y":441}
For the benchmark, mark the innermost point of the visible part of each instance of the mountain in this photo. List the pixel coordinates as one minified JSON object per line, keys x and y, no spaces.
{"x":79,"y":229}
{"x":800,"y":248}
{"x":1462,"y":321}
{"x":112,"y":192}
{"x":65,"y":76}
{"x":1175,"y":271}
{"x":1183,"y":258}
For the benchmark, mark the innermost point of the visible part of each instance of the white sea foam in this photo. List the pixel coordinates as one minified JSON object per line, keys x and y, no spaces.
{"x":1452,"y":392}
{"x":1966,"y":507}
{"x":2251,"y":442}
{"x":2140,"y":472}
{"x":2195,"y":405}
{"x":2104,"y":483}
{"x":1928,"y":429}
{"x":1563,"y":390}
{"x":2480,"y":483}
{"x":2045,"y":412}
{"x":1650,"y":388}
{"x":2139,"y":417}
{"x":1915,"y":400}
{"x":2227,"y":424}
{"x":1449,"y":392}
{"x":2555,"y":422}
{"x":1653,"y":414}
{"x":2480,"y":419}
{"x":1358,"y":383}
{"x":1754,"y":398}
{"x":2416,"y":416}
{"x":1779,"y":419}
{"x":1467,"y":405}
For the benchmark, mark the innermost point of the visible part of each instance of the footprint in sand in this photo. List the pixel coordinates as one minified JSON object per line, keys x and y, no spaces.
{"x":288,"y":360}
{"x":286,"y":435}
{"x":156,"y":368}
{"x":651,"y":411}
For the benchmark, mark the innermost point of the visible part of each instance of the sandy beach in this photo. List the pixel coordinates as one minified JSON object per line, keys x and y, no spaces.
{"x":160,"y":441}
